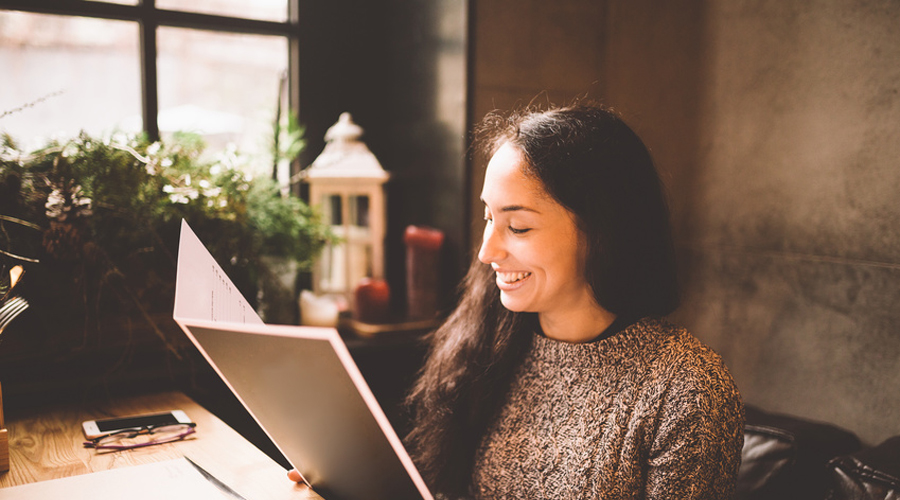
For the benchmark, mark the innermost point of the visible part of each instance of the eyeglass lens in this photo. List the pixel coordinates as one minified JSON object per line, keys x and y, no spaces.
{"x":144,"y":437}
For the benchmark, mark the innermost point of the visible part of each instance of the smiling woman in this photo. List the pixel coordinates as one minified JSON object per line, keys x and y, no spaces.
{"x":557,"y":376}
{"x":528,"y":241}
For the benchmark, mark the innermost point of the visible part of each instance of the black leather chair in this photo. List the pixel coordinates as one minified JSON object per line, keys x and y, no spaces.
{"x":785,"y":457}
{"x":869,"y":474}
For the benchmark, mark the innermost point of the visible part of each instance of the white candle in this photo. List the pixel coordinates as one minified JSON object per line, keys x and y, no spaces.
{"x":317,"y":311}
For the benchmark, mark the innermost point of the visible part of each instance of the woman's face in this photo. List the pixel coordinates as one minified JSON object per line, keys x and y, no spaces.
{"x":531,"y":241}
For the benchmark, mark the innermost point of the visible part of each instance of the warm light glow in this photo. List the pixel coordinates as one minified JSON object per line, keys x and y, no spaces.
{"x":14,"y":275}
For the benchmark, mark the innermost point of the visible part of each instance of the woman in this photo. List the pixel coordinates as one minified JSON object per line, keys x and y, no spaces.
{"x":556,"y":376}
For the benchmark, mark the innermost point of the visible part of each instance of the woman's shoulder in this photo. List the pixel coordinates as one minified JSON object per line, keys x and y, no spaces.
{"x":682,"y":359}
{"x":674,"y":345}
{"x":687,"y":381}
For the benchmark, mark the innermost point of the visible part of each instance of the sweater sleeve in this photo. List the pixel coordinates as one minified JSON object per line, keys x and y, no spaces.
{"x":696,"y":451}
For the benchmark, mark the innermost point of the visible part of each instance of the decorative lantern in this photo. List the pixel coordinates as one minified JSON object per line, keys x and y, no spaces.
{"x":346,"y":182}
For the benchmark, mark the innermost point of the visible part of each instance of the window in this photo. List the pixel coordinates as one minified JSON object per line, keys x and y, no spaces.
{"x":269,"y":10}
{"x":67,"y":73}
{"x":220,"y":68}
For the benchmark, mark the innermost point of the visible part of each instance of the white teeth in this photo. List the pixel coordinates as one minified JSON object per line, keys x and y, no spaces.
{"x":512,"y":277}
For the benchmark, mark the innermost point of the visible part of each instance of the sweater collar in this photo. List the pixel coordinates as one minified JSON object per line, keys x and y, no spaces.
{"x":626,"y":340}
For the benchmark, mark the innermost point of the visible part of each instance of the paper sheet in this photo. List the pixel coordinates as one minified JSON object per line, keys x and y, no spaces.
{"x":203,"y":291}
{"x":173,"y":479}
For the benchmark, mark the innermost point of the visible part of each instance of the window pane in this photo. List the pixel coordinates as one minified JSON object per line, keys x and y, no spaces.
{"x":267,"y":10}
{"x":223,"y":86}
{"x":123,"y":2}
{"x":62,"y":75}
{"x":359,"y":210}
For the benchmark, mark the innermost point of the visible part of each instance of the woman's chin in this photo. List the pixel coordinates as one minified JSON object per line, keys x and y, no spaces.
{"x":512,"y":304}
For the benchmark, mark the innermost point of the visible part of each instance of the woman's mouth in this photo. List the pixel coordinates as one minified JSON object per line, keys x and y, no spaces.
{"x":511,"y":278}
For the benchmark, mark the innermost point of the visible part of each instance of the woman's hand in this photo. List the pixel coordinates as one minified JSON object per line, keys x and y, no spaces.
{"x":308,"y":493}
{"x":295,"y":476}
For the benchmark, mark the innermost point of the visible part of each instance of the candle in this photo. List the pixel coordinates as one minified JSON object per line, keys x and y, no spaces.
{"x":423,"y":265}
{"x":372,"y":301}
{"x":317,"y":311}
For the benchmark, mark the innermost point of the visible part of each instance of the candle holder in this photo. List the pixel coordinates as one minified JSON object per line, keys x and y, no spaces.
{"x":346,"y":183}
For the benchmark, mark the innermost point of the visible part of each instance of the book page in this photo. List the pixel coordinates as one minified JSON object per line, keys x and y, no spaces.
{"x":202,"y":289}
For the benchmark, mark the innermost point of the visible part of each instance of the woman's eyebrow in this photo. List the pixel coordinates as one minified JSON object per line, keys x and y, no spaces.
{"x":513,"y":208}
{"x":518,"y":208}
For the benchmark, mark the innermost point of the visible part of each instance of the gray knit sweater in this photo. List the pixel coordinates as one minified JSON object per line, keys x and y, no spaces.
{"x":648,"y":413}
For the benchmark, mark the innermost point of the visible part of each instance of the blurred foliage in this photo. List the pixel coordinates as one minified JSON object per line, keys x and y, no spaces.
{"x":95,"y":221}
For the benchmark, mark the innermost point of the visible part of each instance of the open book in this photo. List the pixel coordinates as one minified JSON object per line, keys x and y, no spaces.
{"x":299,"y":383}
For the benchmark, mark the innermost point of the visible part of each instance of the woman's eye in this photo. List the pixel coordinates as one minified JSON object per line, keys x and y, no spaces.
{"x":515,"y":230}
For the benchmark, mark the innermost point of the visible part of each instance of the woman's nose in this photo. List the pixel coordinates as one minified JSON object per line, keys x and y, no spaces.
{"x":491,"y":246}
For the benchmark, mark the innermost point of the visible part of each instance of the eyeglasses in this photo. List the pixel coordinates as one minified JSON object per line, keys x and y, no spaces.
{"x":151,"y":435}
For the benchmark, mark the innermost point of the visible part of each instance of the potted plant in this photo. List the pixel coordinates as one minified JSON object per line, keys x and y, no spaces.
{"x":94,"y":223}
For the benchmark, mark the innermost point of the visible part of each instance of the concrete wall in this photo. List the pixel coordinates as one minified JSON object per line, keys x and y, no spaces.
{"x":776,"y":126}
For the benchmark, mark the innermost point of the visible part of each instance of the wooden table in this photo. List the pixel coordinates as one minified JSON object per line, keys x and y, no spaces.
{"x":47,"y":444}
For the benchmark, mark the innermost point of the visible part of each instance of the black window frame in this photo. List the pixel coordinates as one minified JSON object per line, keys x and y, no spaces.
{"x":149,"y":18}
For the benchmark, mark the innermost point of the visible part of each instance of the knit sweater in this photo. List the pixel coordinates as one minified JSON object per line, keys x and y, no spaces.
{"x":648,"y":413}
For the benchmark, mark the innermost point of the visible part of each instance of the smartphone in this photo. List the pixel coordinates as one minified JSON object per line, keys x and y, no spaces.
{"x":96,"y":428}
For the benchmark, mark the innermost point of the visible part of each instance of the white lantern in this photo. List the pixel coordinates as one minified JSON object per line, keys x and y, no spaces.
{"x":346,"y":182}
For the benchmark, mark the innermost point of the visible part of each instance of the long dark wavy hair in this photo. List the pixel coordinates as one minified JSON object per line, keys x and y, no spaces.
{"x":595,"y":166}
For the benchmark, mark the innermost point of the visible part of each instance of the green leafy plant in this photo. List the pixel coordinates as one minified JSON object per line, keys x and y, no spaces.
{"x":102,"y":215}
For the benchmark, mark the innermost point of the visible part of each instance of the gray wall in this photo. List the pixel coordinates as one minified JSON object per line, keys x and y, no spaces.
{"x":776,"y":127}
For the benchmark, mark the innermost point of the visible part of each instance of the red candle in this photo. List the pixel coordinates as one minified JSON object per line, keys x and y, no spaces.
{"x":372,"y":301}
{"x":423,"y":266}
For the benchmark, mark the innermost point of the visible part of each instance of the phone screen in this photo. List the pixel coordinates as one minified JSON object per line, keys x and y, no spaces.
{"x":113,"y":424}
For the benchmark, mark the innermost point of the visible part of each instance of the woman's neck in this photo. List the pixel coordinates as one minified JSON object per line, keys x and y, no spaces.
{"x":578,"y":323}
